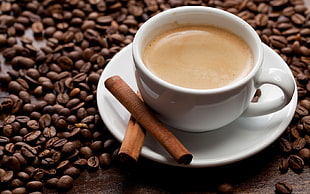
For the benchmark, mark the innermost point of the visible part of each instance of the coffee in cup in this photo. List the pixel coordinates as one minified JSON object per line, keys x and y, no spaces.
{"x":198,"y":57}
{"x":198,"y":110}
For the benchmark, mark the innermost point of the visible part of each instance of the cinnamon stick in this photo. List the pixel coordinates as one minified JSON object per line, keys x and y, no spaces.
{"x":132,"y":143}
{"x":128,"y":98}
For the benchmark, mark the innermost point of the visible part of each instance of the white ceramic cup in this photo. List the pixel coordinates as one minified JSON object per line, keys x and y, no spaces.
{"x":199,"y":110}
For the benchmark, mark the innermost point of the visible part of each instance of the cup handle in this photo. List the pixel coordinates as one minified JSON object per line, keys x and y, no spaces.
{"x":276,"y":77}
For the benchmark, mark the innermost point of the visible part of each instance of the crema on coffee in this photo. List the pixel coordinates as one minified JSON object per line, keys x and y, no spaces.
{"x":198,"y":57}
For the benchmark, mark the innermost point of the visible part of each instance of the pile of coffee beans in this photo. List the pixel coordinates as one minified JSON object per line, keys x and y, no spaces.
{"x":53,"y":53}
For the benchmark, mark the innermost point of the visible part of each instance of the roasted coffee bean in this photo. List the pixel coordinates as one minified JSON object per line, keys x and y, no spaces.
{"x":13,"y":164}
{"x":73,"y":172}
{"x":299,"y":143}
{"x":7,"y":104}
{"x":261,"y":20}
{"x":28,"y":151}
{"x":79,"y":77}
{"x":298,"y":18}
{"x":65,"y":62}
{"x":33,"y":125}
{"x":225,"y":188}
{"x":47,"y":161}
{"x":86,"y":152}
{"x":64,"y":183}
{"x":105,"y":160}
{"x":3,"y":40}
{"x":37,"y":173}
{"x":34,"y":186}
{"x":110,"y":145}
{"x":7,"y":130}
{"x":304,"y":154}
{"x":6,"y":192}
{"x":56,"y":156}
{"x":32,"y":136}
{"x":278,"y":41}
{"x":283,"y":188}
{"x":37,"y":28}
{"x":17,"y":107}
{"x":285,"y":145}
{"x":306,"y":123}
{"x":284,"y":165}
{"x":9,"y":148}
{"x":48,"y":109}
{"x":23,"y":83}
{"x":80,"y":163}
{"x":73,"y":102}
{"x":301,"y":111}
{"x":88,"y":119}
{"x":6,"y":176}
{"x":23,"y":176}
{"x":9,"y":53}
{"x":45,"y":121}
{"x":51,"y":182}
{"x":47,"y":86}
{"x":35,"y":115}
{"x":85,"y":67}
{"x":65,"y":112}
{"x":50,"y":98}
{"x":61,"y":124}
{"x":50,"y":142}
{"x":68,"y":148}
{"x":71,"y":119}
{"x":74,"y":155}
{"x":5,"y":79}
{"x":19,"y":190}
{"x":97,"y":146}
{"x":49,"y":132}
{"x":25,"y":96}
{"x":16,"y":183}
{"x":22,"y":119}
{"x":295,"y":133}
{"x":20,"y":61}
{"x":4,"y":140}
{"x":63,"y":98}
{"x":93,"y":163}
{"x":45,"y":153}
{"x":296,"y":163}
{"x":59,"y":143}
{"x":15,"y":87}
{"x":23,"y":131}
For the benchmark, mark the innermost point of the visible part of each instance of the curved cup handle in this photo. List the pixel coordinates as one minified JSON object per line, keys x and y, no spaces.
{"x":278,"y":78}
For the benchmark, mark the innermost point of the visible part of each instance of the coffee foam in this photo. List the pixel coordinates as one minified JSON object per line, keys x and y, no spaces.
{"x":199,"y":57}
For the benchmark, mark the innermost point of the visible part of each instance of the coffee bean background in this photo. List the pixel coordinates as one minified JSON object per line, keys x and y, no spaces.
{"x":52,"y":138}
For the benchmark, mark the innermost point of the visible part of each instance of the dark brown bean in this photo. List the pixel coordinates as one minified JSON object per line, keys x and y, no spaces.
{"x":284,"y":165}
{"x":304,"y":154}
{"x":225,"y":188}
{"x":285,"y":145}
{"x":37,"y":28}
{"x":283,"y":188}
{"x":93,"y":163}
{"x":105,"y":160}
{"x":73,"y":172}
{"x":299,"y":143}
{"x":34,"y":186}
{"x":32,"y":136}
{"x":68,"y":148}
{"x":64,"y":183}
{"x":296,"y":163}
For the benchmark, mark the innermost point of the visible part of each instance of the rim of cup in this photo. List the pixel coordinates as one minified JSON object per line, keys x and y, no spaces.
{"x":137,"y":51}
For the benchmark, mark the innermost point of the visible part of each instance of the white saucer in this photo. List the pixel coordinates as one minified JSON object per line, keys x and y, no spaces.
{"x":240,"y":139}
